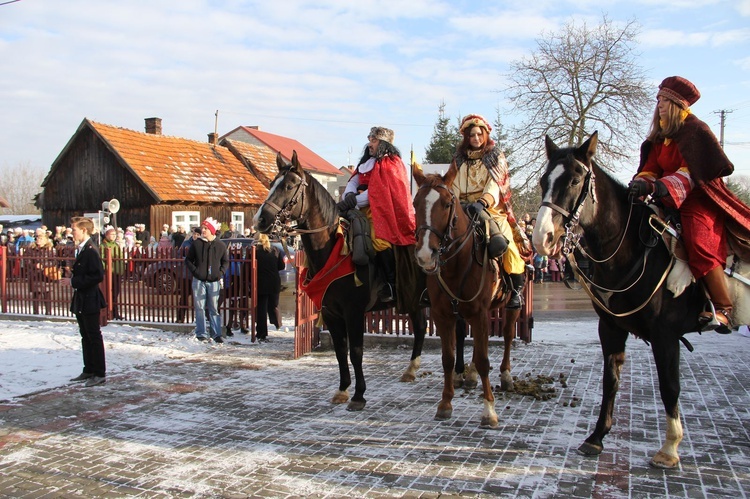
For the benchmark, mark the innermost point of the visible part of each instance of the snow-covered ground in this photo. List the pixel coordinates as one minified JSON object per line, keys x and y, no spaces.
{"x":40,"y":355}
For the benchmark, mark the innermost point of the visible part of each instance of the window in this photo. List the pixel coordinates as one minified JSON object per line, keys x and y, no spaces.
{"x":186,"y":219}
{"x":238,"y":218}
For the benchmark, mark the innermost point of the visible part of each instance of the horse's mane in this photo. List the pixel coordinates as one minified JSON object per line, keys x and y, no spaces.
{"x":324,"y":199}
{"x":432,"y":180}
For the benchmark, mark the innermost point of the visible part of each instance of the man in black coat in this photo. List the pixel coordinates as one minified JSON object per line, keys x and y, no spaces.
{"x":87,"y":302}
{"x":207,"y":261}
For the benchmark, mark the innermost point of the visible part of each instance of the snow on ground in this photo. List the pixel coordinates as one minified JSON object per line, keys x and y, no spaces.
{"x":40,"y":355}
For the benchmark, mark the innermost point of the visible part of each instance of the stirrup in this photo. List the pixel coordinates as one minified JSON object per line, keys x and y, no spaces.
{"x":386,"y":294}
{"x":709,"y":320}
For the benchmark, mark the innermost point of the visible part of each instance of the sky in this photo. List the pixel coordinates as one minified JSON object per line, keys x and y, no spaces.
{"x":323,"y":73}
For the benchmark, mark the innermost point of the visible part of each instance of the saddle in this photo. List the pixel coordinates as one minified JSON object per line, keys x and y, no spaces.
{"x":680,"y":277}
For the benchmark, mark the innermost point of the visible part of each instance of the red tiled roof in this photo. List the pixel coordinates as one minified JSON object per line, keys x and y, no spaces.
{"x":177,"y":169}
{"x":261,"y":158}
{"x":308,"y":160}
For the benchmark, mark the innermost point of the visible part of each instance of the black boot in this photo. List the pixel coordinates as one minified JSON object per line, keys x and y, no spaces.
{"x":497,"y":244}
{"x":386,"y":262}
{"x":516,"y":293}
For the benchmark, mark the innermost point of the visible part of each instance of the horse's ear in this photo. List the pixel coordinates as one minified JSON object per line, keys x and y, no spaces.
{"x":591,"y":145}
{"x":450,"y":175}
{"x":295,"y":164}
{"x":550,"y":146}
{"x":280,"y":161}
{"x":417,"y":173}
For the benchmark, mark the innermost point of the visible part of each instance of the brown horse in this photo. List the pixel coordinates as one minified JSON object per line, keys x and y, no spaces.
{"x":461,"y":280}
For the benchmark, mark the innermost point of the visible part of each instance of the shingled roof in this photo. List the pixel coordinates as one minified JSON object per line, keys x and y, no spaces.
{"x":308,"y":159}
{"x":178,"y":169}
{"x":260,"y":158}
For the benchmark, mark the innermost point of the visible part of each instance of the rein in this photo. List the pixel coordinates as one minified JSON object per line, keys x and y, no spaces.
{"x":572,"y":220}
{"x":284,"y":213}
{"x":447,"y":245}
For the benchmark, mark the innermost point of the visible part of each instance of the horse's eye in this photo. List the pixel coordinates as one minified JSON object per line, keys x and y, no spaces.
{"x":575,"y":181}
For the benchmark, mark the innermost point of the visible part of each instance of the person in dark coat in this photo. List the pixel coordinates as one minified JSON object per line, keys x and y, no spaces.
{"x":269,"y":261}
{"x":207,"y":260}
{"x":87,"y":302}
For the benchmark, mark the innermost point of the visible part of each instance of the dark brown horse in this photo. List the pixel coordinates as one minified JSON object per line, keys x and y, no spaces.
{"x":631,"y":286}
{"x":296,"y":196}
{"x":461,"y":280}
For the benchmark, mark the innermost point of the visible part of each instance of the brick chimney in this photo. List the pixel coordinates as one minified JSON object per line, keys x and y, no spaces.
{"x":212,"y":138}
{"x":153,"y":126}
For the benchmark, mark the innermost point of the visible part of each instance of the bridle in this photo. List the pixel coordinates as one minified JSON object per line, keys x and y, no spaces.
{"x":449,"y":247}
{"x":572,"y":238}
{"x":284,"y":215}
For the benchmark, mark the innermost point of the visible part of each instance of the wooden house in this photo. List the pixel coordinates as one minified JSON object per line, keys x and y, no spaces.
{"x":157,"y":179}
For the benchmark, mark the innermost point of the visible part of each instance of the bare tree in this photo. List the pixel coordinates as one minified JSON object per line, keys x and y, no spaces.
{"x":19,"y":185}
{"x":577,"y":81}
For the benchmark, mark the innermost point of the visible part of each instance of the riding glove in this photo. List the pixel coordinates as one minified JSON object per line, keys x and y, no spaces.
{"x":638,"y":188}
{"x":660,"y":189}
{"x":475,"y":208}
{"x":348,"y":203}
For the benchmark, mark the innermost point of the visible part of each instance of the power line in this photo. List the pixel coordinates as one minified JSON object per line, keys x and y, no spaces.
{"x":9,"y":1}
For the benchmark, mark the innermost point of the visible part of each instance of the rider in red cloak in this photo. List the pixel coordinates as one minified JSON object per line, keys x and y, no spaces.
{"x":379,"y":187}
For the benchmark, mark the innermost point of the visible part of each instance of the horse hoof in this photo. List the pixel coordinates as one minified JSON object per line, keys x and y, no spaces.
{"x":356,"y":405}
{"x":470,"y":384}
{"x":340,"y":397}
{"x":664,"y":461}
{"x":506,"y":382}
{"x":408,"y":377}
{"x":589,"y":449}
{"x":488,"y":423}
{"x":443,"y":415}
{"x":458,"y":380}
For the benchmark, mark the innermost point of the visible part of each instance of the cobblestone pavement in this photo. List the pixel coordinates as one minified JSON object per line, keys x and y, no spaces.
{"x":240,"y":421}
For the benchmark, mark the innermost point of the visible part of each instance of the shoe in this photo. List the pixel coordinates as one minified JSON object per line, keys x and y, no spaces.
{"x":95,"y":380}
{"x":229,"y":331}
{"x":201,"y":338}
{"x":244,"y":331}
{"x":83,"y":377}
{"x":264,"y":339}
{"x":385,"y":293}
{"x":218,"y":339}
{"x":718,"y":321}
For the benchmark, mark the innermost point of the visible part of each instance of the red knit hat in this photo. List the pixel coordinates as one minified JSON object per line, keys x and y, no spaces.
{"x":680,"y":91}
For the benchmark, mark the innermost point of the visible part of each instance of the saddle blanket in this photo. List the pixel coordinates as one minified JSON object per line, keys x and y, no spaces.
{"x":339,"y":265}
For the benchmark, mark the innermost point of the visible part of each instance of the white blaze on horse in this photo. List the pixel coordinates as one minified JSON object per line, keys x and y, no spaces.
{"x":296,"y":196}
{"x":585,"y":210}
{"x":461,"y":282}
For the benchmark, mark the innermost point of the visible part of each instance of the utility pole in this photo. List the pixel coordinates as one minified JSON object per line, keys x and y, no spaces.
{"x":723,"y":114}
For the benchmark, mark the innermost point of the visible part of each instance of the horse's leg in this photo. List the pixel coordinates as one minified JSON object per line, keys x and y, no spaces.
{"x":612,"y":339}
{"x":419,"y":330}
{"x":446,"y":329}
{"x":480,"y":329}
{"x":459,"y":378}
{"x":356,"y":330}
{"x":667,"y":357}
{"x":509,"y":330}
{"x":337,"y":328}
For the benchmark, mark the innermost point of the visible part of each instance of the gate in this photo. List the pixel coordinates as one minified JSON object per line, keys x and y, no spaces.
{"x":306,"y":330}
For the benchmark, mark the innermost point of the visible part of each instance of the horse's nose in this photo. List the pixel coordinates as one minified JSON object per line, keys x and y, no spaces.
{"x":425,"y":256}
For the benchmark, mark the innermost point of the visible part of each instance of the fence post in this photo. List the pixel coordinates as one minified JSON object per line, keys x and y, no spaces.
{"x":4,"y":278}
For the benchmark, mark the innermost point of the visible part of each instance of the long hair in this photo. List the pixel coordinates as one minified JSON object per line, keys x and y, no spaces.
{"x":384,"y":149}
{"x":465,"y":146}
{"x":264,"y":242}
{"x":663,"y":128}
